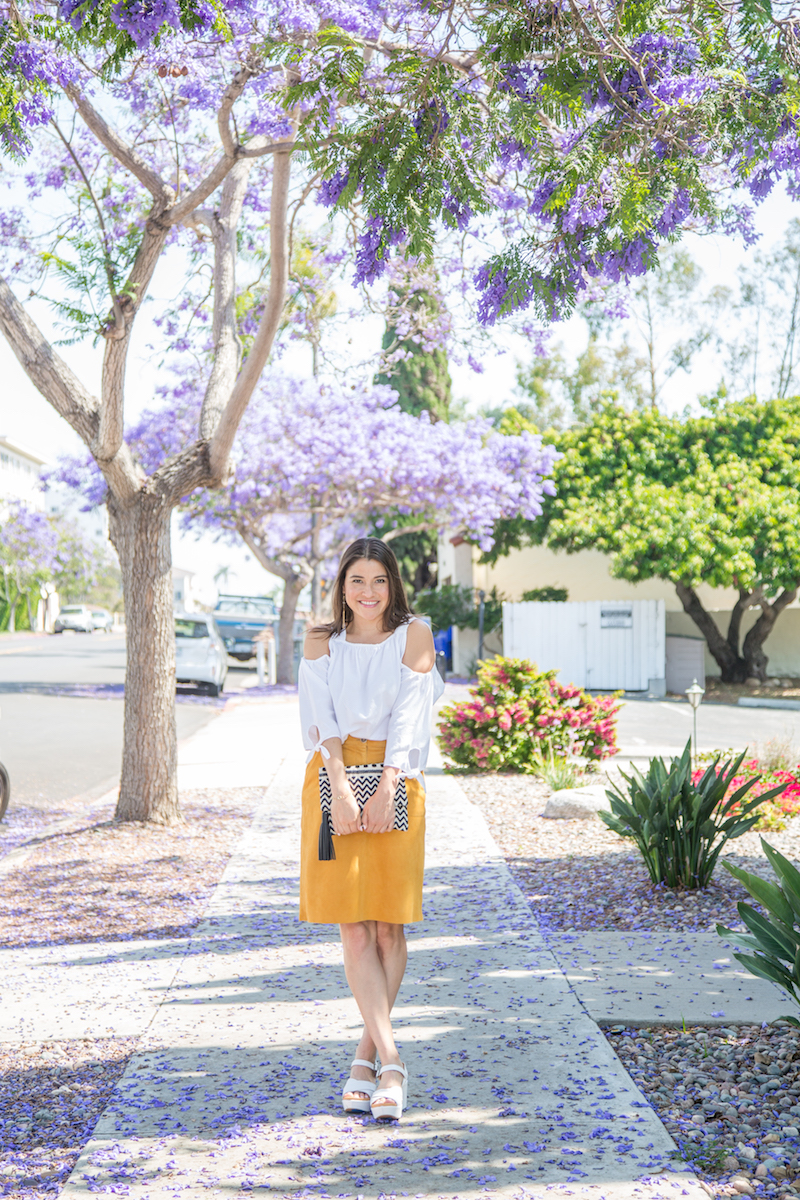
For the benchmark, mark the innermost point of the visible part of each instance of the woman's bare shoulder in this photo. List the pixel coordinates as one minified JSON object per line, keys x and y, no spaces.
{"x":419,"y":654}
{"x":317,"y":644}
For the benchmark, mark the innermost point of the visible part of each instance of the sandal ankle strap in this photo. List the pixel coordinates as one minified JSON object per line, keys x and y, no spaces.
{"x":362,"y":1062}
{"x":393,"y":1067}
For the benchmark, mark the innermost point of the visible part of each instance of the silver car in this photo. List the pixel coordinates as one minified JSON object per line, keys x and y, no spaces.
{"x":77,"y":617}
{"x":200,"y":655}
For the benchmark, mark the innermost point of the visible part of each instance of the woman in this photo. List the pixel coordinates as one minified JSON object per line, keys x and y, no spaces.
{"x":367,"y":687}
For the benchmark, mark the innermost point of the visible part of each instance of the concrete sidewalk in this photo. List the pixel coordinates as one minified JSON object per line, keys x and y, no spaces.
{"x":664,"y":978}
{"x":236,"y":1086}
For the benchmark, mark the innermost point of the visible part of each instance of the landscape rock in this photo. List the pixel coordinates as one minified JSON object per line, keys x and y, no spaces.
{"x":580,"y":804}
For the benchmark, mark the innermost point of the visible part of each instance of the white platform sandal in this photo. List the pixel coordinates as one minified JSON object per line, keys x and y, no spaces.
{"x":355,"y":1104}
{"x":397,"y":1095}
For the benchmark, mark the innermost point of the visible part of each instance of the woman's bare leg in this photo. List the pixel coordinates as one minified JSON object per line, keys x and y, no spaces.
{"x":375,"y":957}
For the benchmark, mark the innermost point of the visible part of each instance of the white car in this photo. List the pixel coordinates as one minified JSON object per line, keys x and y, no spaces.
{"x":77,"y":617}
{"x":102,"y":619}
{"x":200,"y":655}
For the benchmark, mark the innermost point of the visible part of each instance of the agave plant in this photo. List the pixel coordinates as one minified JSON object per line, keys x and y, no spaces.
{"x":679,"y":826}
{"x":775,"y":937}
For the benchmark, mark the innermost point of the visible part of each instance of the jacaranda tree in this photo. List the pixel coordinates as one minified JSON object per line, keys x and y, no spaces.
{"x":35,"y":549}
{"x":171,"y":131}
{"x":313,"y":465}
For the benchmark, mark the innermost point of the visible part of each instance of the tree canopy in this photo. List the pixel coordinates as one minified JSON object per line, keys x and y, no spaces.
{"x":712,"y":499}
{"x":600,"y":131}
{"x":314,"y":464}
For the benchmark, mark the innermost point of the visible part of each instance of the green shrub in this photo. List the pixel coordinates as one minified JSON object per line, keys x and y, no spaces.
{"x":774,"y":938}
{"x":519,"y":717}
{"x":560,"y":773}
{"x":681,"y":825}
{"x":453,"y":604}
{"x":549,"y":594}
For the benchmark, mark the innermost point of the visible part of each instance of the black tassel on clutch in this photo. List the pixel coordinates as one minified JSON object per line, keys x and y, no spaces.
{"x":326,"y":850}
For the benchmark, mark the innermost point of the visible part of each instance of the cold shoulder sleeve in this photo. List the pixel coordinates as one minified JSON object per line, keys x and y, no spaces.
{"x":317,"y":714}
{"x":409,"y":735}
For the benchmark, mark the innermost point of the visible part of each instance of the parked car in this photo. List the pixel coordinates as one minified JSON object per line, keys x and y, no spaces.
{"x":200,"y":655}
{"x":77,"y":617}
{"x":102,"y":619}
{"x":241,"y":619}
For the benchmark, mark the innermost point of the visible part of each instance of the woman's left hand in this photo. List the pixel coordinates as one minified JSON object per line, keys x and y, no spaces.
{"x":377,"y":815}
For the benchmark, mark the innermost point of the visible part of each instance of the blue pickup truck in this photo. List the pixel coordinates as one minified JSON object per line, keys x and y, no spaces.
{"x":241,"y":619}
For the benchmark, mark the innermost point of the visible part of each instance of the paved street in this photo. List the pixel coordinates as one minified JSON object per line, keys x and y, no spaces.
{"x":662,"y":726}
{"x":29,"y":659}
{"x":57,"y":747}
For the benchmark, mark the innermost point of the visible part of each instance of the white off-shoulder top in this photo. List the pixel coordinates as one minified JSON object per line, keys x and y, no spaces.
{"x":367,"y":691}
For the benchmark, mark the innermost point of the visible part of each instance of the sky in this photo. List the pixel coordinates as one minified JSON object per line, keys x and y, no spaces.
{"x":26,"y":418}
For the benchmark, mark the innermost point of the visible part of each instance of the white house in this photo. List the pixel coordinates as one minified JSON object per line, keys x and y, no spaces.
{"x":20,"y":472}
{"x":586,"y":577}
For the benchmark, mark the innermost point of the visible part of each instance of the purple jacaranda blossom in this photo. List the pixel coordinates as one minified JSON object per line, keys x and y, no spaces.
{"x":580,"y":161}
{"x":348,"y":453}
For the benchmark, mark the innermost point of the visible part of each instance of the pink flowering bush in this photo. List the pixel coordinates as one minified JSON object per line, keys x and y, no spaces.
{"x":519,"y":717}
{"x":773,"y":812}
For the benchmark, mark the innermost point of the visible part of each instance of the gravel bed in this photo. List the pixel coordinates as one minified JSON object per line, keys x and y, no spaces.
{"x":106,"y":881}
{"x":96,"y":881}
{"x":51,"y":1096}
{"x":578,"y":875}
{"x":23,"y":822}
{"x":729,"y":1097}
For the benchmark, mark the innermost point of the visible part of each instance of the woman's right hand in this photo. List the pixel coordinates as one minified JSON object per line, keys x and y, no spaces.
{"x":345,"y":813}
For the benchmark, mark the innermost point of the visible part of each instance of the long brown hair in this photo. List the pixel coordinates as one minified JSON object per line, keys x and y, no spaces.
{"x":397,"y":612}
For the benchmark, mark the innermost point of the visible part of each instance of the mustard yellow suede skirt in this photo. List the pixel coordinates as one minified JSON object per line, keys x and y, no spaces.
{"x":375,"y":876}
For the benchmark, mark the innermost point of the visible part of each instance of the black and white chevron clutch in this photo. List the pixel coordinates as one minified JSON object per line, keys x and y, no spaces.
{"x":364,"y":782}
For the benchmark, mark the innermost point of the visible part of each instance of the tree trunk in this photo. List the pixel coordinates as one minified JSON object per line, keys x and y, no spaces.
{"x":753,"y":648}
{"x":727,"y":657}
{"x":140,"y":532}
{"x":736,"y":667}
{"x":291,"y":594}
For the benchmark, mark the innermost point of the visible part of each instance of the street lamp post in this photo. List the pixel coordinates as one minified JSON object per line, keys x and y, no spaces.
{"x":694,"y":695}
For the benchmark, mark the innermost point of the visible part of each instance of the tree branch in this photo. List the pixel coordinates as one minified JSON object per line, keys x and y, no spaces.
{"x":232,"y":93}
{"x":737,"y":612}
{"x":110,"y":430}
{"x":222,"y":440}
{"x":183,"y":208}
{"x":46,"y":370}
{"x":422,"y":527}
{"x":752,"y":650}
{"x":112,"y":289}
{"x":286,"y":571}
{"x":227,"y":347}
{"x":62,"y":389}
{"x":121,"y":151}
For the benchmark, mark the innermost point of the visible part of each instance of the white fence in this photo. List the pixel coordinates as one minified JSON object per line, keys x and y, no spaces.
{"x":598,"y":644}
